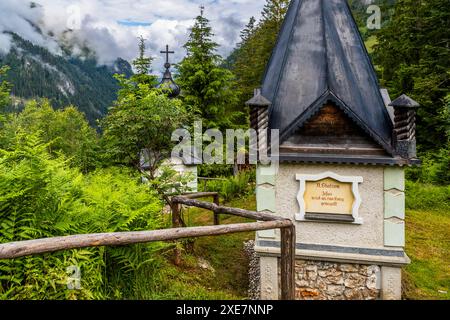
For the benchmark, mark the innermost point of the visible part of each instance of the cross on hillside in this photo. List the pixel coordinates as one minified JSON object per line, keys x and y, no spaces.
{"x":167,"y":52}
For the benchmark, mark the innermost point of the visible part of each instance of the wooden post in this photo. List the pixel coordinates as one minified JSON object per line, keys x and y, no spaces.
{"x":288,"y":263}
{"x":176,"y":223}
{"x":216,"y":215}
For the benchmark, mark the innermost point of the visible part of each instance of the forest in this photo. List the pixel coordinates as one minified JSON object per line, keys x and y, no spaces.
{"x":62,"y":172}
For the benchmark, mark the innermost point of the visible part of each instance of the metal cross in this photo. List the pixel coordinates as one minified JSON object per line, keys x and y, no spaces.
{"x":167,"y":52}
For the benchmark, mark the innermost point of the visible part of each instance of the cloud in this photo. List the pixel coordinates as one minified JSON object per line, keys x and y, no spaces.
{"x":111,"y":27}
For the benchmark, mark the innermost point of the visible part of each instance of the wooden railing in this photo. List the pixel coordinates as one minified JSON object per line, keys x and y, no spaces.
{"x":19,"y":249}
{"x":287,"y":261}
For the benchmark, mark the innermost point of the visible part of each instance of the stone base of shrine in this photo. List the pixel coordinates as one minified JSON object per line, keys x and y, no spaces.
{"x":334,"y":276}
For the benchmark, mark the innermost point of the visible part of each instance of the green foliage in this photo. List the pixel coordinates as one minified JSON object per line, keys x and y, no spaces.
{"x":4,"y":89}
{"x":142,"y":63}
{"x":143,"y":66}
{"x":233,"y":187}
{"x":141,"y":120}
{"x":359,"y":10}
{"x":257,"y":43}
{"x":215,"y":170}
{"x":66,"y":131}
{"x":414,"y":59}
{"x":42,"y":197}
{"x":427,"y":197}
{"x":64,"y":80}
{"x":208,"y":90}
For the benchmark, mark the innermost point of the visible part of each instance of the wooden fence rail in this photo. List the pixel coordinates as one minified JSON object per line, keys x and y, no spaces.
{"x":19,"y":249}
{"x":287,"y":260}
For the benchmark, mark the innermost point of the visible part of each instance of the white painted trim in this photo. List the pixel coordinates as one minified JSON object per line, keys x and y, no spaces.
{"x":302,"y":178}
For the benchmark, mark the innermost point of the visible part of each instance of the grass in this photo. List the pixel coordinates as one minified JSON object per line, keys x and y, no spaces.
{"x":428,"y":246}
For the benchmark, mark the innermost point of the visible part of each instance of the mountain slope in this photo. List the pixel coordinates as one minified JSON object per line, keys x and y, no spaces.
{"x":35,"y":72}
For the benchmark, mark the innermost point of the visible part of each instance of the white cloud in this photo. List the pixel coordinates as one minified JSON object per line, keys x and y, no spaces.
{"x":95,"y":24}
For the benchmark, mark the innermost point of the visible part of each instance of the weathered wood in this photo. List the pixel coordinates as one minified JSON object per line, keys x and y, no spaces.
{"x":401,"y":123}
{"x":216,"y":215}
{"x":199,"y":195}
{"x":330,"y":121}
{"x":32,"y":247}
{"x":226,"y":210}
{"x":405,"y":129}
{"x":287,"y":263}
{"x":176,"y":223}
{"x":338,"y":149}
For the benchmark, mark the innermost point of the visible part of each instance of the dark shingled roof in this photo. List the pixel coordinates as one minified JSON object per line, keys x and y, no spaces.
{"x":405,"y":102}
{"x":320,"y":57}
{"x":258,"y":100}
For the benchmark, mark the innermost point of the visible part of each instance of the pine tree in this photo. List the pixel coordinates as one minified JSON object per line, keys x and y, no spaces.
{"x":248,"y":31}
{"x":208,"y":89}
{"x":257,"y":43}
{"x":143,"y":65}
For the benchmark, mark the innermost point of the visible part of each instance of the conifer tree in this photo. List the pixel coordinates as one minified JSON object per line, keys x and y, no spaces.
{"x":143,"y":65}
{"x":208,"y":89}
{"x":257,"y":43}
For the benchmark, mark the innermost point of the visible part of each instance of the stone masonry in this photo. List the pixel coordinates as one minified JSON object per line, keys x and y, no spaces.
{"x":317,"y":280}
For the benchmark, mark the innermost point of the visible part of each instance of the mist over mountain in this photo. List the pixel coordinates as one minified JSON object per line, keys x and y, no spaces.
{"x":35,"y":72}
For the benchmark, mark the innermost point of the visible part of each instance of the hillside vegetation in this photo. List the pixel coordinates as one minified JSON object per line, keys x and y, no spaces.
{"x":64,"y":80}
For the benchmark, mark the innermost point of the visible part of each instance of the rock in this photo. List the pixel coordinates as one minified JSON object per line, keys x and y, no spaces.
{"x":205,"y":265}
{"x":302,"y":283}
{"x":354,"y":294}
{"x":372,"y":282}
{"x":335,"y":290}
{"x":348,"y":268}
{"x":312,"y":275}
{"x":321,"y":284}
{"x":354,"y":280}
{"x":307,"y":293}
{"x":335,"y":279}
{"x":330,"y":273}
{"x":370,"y":270}
{"x":312,"y":268}
{"x":370,"y":294}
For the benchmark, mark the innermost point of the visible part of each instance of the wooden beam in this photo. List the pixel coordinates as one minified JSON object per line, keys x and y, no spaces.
{"x":287,"y":263}
{"x":199,"y":195}
{"x":226,"y":210}
{"x":176,"y":223}
{"x":32,"y":247}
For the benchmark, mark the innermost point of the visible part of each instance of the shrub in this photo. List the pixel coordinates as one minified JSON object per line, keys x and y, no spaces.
{"x":435,"y":168}
{"x":427,"y":197}
{"x":40,"y":196}
{"x":232,"y":187}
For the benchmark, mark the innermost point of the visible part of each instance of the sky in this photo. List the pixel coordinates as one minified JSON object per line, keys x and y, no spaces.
{"x":111,"y":27}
